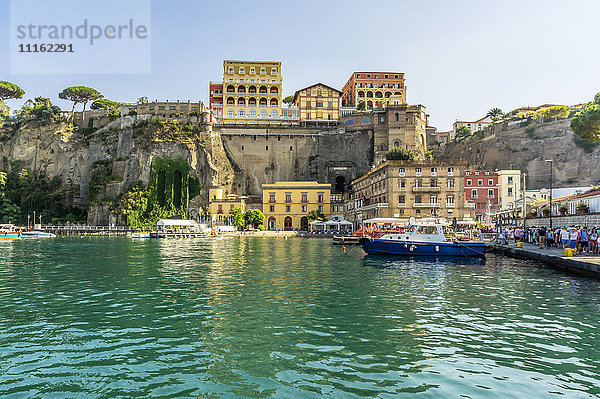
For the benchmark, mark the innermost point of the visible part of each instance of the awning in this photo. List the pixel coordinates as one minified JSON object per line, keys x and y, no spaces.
{"x":177,"y":222}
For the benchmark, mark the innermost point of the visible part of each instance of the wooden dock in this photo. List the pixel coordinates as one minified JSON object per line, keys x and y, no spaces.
{"x":588,"y":265}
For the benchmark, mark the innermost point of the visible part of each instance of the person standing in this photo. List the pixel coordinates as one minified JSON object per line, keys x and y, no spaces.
{"x":573,"y":238}
{"x":549,"y":238}
{"x":593,"y":241}
{"x":583,"y":241}
{"x":564,"y":237}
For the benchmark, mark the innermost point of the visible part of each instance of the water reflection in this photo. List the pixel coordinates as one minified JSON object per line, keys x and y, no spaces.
{"x":247,"y":317}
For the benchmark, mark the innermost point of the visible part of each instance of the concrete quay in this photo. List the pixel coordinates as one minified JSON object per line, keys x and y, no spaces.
{"x":587,"y":265}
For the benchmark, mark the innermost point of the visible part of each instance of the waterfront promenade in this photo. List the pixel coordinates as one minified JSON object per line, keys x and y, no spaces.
{"x":583,"y":264}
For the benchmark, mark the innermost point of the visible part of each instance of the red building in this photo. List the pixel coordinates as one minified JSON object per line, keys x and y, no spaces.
{"x":216,"y":100}
{"x":481,"y":189}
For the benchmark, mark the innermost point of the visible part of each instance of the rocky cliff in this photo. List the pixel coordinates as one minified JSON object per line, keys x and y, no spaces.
{"x":525,"y":146}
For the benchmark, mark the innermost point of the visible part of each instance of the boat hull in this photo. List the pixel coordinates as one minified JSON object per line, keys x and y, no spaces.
{"x":10,"y":236}
{"x":377,"y":246}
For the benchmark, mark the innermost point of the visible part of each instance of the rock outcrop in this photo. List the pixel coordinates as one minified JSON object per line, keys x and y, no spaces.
{"x":575,"y":162}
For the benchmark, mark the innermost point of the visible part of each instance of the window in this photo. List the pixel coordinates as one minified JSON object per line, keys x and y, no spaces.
{"x":241,"y":72}
{"x":477,"y":173}
{"x":490,"y":193}
{"x":417,"y":199}
{"x":272,"y":197}
{"x":252,"y":71}
{"x":252,"y":113}
{"x":473,"y":193}
{"x":320,"y":208}
{"x":418,"y":183}
{"x":469,"y":182}
{"x":450,"y":183}
{"x":487,"y":172}
{"x":288,"y":198}
{"x":402,"y":184}
{"x":433,"y":199}
{"x":272,"y":208}
{"x":490,"y":182}
{"x":479,"y":182}
{"x":329,"y":105}
{"x":220,"y":208}
{"x":267,"y":148}
{"x":510,"y":192}
{"x":304,"y":209}
{"x":230,"y":112}
{"x":401,"y":172}
{"x":230,"y":69}
{"x":510,"y":180}
{"x":467,"y":173}
{"x":242,"y":148}
{"x":273,"y":71}
{"x":320,"y":197}
{"x":433,"y":171}
{"x":450,"y":200}
{"x":288,"y":208}
{"x":304,"y":197}
{"x":433,"y":183}
{"x":450,"y":171}
{"x":418,"y":171}
{"x":401,"y":199}
{"x":319,"y":104}
{"x":241,"y":112}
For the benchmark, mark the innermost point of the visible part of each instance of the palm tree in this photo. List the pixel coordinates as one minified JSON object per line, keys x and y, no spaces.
{"x":495,"y":113}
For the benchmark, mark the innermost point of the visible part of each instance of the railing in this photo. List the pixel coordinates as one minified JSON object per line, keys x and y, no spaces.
{"x":426,"y":189}
{"x":450,"y":205}
{"x":83,"y":227}
{"x":426,"y":205}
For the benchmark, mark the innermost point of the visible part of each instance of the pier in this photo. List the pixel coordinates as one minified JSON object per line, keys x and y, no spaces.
{"x":588,"y":265}
{"x":85,"y":230}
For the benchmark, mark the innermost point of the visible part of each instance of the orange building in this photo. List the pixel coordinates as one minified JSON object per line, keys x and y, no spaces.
{"x":374,"y":88}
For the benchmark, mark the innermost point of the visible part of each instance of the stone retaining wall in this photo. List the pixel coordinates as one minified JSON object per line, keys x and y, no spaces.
{"x":588,"y":219}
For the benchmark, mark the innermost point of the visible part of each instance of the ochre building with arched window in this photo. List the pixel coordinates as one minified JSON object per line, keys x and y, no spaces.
{"x":286,"y":204}
{"x":251,"y":91}
{"x":375,"y":89}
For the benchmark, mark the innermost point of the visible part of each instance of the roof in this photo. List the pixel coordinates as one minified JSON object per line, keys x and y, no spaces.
{"x":176,"y":222}
{"x":313,"y":85}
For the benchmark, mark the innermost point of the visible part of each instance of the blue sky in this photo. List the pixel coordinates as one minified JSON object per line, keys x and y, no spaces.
{"x":460,"y":57}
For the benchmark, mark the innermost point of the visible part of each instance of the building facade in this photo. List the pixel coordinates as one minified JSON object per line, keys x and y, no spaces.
{"x":375,"y":89}
{"x":170,"y":109}
{"x":215,"y":99}
{"x":286,"y":204}
{"x":474,"y":126}
{"x":318,"y":103}
{"x":251,"y":91}
{"x":404,"y":189}
{"x":481,"y":189}
{"x":220,"y":204}
{"x":399,"y":126}
{"x":509,"y":189}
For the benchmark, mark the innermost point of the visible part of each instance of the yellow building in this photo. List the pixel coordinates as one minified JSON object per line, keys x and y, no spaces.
{"x":220,"y":204}
{"x":286,"y":204}
{"x":318,"y":102}
{"x":251,"y":91}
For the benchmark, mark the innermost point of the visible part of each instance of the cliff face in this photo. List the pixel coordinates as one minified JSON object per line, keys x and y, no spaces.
{"x":526,"y":148}
{"x":126,"y":146}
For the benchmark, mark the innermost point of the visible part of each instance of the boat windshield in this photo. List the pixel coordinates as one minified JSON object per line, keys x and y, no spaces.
{"x":427,"y":230}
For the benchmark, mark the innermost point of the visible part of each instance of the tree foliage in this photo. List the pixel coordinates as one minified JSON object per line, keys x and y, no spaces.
{"x":79,"y":95}
{"x":462,"y":132}
{"x":288,"y":99}
{"x":4,"y":111}
{"x":40,"y":109}
{"x":316,"y":214}
{"x":105,"y":103}
{"x":238,"y":217}
{"x":10,"y":91}
{"x":253,"y":217}
{"x":403,"y":154}
{"x":586,"y":124}
{"x":495,"y":113}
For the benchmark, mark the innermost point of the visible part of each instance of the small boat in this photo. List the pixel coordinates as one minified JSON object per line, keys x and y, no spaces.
{"x":37,"y":234}
{"x":345,"y":240}
{"x":422,"y":238}
{"x":8,"y":232}
{"x":140,"y":235}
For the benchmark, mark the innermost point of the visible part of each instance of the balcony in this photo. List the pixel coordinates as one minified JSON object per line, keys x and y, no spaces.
{"x":426,"y":205}
{"x":450,"y":205}
{"x":426,"y":189}
{"x":403,"y":205}
{"x":470,"y":205}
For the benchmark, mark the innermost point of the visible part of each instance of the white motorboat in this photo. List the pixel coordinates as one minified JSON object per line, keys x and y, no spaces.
{"x":37,"y":234}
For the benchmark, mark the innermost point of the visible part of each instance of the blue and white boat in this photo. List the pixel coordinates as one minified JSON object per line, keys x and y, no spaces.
{"x":422,"y":238}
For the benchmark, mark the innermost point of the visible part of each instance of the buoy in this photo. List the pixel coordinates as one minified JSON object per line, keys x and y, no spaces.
{"x":344,"y":248}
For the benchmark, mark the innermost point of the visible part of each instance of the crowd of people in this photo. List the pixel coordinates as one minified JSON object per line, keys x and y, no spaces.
{"x":582,"y":239}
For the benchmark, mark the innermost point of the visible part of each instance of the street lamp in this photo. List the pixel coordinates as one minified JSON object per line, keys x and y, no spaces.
{"x":549,"y":160}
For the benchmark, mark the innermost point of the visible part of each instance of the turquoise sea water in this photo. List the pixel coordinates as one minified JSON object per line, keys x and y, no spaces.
{"x":262,"y":318}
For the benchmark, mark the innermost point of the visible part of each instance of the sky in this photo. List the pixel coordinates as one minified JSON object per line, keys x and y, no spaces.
{"x":460,"y":58}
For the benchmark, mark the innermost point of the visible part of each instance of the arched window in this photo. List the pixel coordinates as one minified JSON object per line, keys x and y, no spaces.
{"x":396,"y":144}
{"x":241,"y":102}
{"x":397,"y":117}
{"x":252,"y":113}
{"x":241,"y":112}
{"x":230,"y":112}
{"x":273,"y":114}
{"x":349,"y":122}
{"x":263,"y":113}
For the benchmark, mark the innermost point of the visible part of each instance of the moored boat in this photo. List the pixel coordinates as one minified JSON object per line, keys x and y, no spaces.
{"x":8,"y":232}
{"x":140,"y":235}
{"x":422,"y":238}
{"x":37,"y":234}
